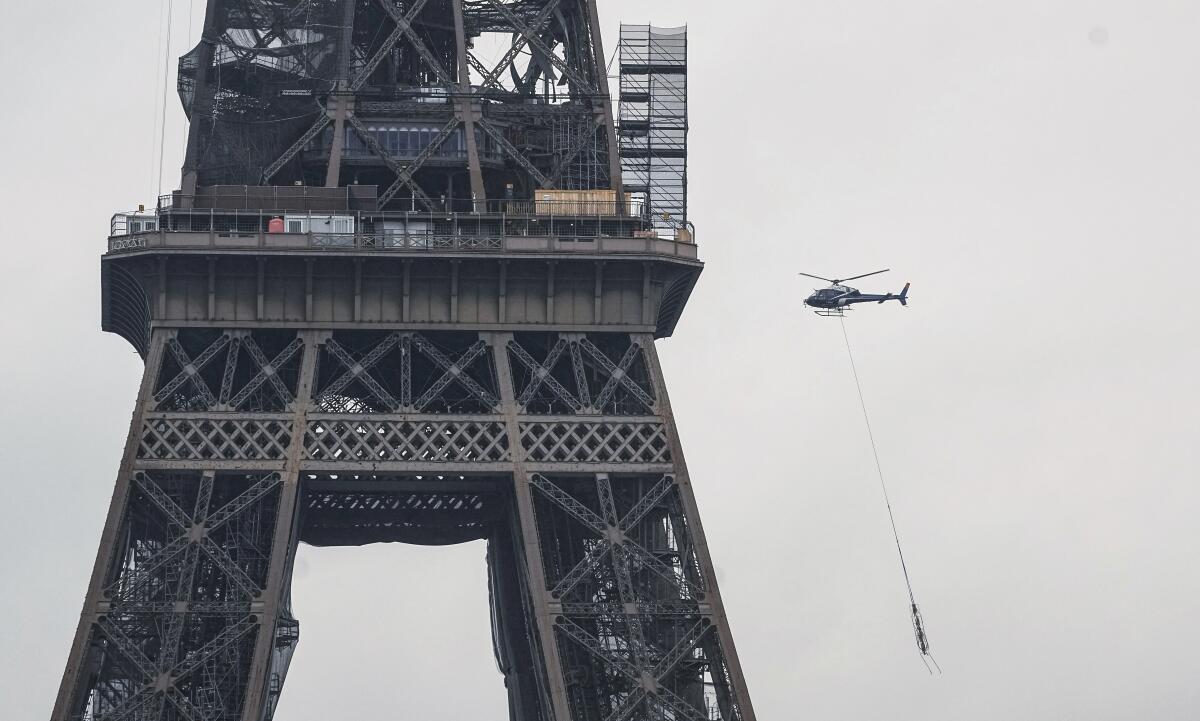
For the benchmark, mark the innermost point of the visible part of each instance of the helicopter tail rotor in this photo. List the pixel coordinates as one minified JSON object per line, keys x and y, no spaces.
{"x":904,"y":294}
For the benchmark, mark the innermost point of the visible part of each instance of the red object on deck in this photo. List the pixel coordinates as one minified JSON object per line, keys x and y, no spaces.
{"x":275,"y":225}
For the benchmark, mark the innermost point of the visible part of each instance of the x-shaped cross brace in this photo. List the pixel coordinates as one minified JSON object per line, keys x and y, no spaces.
{"x":603,"y":528}
{"x":190,"y":370}
{"x":541,"y":374}
{"x":268,"y":372}
{"x":618,"y":374}
{"x":453,"y":371}
{"x":160,"y":677}
{"x":647,"y":678}
{"x":361,"y":371}
{"x":491,"y":78}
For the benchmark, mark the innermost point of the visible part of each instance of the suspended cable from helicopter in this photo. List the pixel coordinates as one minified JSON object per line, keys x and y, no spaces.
{"x":834,"y":301}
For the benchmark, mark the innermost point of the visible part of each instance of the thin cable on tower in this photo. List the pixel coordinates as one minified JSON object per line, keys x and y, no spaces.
{"x":162,"y":120}
{"x":187,"y":44}
{"x":915,"y":612}
{"x":158,"y":58}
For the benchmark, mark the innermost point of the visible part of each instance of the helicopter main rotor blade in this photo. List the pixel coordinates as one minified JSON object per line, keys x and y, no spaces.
{"x":864,"y":275}
{"x":810,"y":275}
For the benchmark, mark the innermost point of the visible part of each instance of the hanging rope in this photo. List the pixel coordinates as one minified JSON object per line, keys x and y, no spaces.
{"x":917,"y":621}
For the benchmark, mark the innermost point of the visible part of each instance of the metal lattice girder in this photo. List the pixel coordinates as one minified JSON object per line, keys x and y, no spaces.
{"x":680,"y":609}
{"x":510,"y":149}
{"x":595,"y":442}
{"x":437,"y":441}
{"x":189,"y":370}
{"x":620,"y":606}
{"x":155,"y":679}
{"x":454,"y":371}
{"x":620,"y":564}
{"x":187,"y":439}
{"x":405,"y":174}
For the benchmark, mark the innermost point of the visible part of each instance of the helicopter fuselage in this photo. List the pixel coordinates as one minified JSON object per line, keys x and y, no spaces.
{"x":841,"y":296}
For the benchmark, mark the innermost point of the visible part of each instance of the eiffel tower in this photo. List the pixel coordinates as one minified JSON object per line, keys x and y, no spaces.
{"x":402,"y":295}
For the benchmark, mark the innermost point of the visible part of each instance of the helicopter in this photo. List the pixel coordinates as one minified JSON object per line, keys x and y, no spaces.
{"x":836,"y":299}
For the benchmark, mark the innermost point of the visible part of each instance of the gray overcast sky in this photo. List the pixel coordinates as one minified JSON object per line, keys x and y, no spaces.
{"x":1032,"y":166}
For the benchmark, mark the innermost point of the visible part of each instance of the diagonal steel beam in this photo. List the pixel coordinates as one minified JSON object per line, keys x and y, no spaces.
{"x":453,"y":371}
{"x":590,"y":561}
{"x":394,"y":37}
{"x":247,"y":498}
{"x":143,"y":573}
{"x":405,"y":175}
{"x":656,"y":566}
{"x":598,"y":648}
{"x":230,"y":568}
{"x":162,"y":501}
{"x":231,"y":361}
{"x":491,"y":78}
{"x":418,"y":44}
{"x":295,"y":148}
{"x":267,"y":372}
{"x":583,"y":83}
{"x":541,"y":373}
{"x":361,"y":370}
{"x":691,"y":638}
{"x":568,"y":503}
{"x":515,"y":154}
{"x":647,"y":502}
{"x":189,"y":370}
{"x":223,"y":640}
{"x":617,"y":373}
{"x":630,"y":704}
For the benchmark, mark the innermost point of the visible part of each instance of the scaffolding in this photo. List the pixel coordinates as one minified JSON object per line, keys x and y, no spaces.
{"x":653,"y":119}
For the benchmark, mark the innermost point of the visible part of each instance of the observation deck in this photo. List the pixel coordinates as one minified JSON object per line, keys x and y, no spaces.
{"x":249,"y":256}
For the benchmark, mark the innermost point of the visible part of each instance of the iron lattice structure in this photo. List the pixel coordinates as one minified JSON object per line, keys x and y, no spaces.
{"x":334,"y":365}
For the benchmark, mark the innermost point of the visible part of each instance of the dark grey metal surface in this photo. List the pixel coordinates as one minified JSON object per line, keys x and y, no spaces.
{"x":492,"y":376}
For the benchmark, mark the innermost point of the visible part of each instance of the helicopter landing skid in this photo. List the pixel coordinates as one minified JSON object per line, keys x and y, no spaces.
{"x":832,"y":312}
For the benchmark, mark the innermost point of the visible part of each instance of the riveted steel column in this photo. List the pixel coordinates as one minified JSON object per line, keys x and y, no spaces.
{"x":283,"y":544}
{"x":531,"y":552}
{"x":69,"y":689}
{"x":688,"y":498}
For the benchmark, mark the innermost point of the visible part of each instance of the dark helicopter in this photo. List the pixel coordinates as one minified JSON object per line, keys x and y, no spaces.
{"x":835,"y":299}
